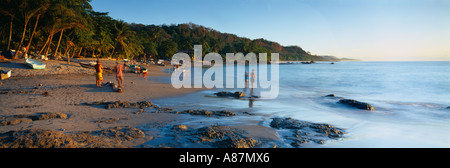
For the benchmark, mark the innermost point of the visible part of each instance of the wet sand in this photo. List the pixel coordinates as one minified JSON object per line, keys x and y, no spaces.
{"x":33,"y":92}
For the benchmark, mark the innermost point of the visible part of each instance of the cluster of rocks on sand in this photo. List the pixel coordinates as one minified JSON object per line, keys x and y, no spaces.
{"x":39,"y":138}
{"x":304,"y":131}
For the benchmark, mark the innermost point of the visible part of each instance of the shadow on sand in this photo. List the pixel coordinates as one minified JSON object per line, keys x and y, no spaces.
{"x":94,"y":88}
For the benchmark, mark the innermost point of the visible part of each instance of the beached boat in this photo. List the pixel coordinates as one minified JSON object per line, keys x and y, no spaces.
{"x":133,"y":68}
{"x":35,"y":64}
{"x":5,"y":74}
{"x":91,"y":65}
{"x":87,"y":65}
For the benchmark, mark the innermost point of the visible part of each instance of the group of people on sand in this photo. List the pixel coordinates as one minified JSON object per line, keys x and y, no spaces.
{"x":119,"y":73}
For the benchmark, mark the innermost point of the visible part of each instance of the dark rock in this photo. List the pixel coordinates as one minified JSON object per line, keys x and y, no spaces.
{"x":288,"y":123}
{"x":14,"y":121}
{"x":46,"y":94}
{"x":225,"y":137}
{"x":248,"y":113}
{"x":237,"y":143}
{"x":196,"y":112}
{"x":38,"y":138}
{"x":327,"y":130}
{"x":238,"y":94}
{"x":330,"y":95}
{"x":299,"y":142}
{"x":215,"y":132}
{"x":21,"y":118}
{"x":47,"y":116}
{"x":357,"y":104}
{"x":108,"y":121}
{"x":333,"y":96}
{"x":230,"y":94}
{"x":139,"y":112}
{"x":27,"y":106}
{"x":179,"y":127}
{"x":164,"y":110}
{"x":125,"y":104}
{"x":305,"y":132}
{"x":223,"y":113}
{"x":223,"y":94}
{"x":448,"y":108}
{"x":122,"y":134}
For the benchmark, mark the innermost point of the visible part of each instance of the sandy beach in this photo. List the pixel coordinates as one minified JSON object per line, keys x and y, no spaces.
{"x":61,"y":105}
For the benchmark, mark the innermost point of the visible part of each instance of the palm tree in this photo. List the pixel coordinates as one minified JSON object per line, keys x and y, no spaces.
{"x":11,"y":25}
{"x":46,"y":5}
{"x":122,"y":33}
{"x":9,"y":10}
{"x":27,"y":11}
{"x":66,"y":18}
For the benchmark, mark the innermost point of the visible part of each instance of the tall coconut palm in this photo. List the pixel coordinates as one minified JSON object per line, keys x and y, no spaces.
{"x":41,"y":12}
{"x":11,"y":25}
{"x":122,"y":33}
{"x":8,"y":9}
{"x":66,"y":18}
{"x":26,"y":11}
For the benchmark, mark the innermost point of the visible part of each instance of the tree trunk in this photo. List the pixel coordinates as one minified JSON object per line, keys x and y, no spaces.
{"x":81,"y":49}
{"x":49,"y":43}
{"x":34,"y":30}
{"x":68,"y":57}
{"x":59,"y":42}
{"x":45,"y":45}
{"x":66,"y":50}
{"x":112,"y":53}
{"x":21,"y":41}
{"x":10,"y":33}
{"x":71,"y":56}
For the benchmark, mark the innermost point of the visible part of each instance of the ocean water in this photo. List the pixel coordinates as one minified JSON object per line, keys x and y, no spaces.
{"x":410,"y":101}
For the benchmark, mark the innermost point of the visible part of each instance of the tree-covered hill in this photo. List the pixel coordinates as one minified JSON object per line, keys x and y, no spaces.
{"x":72,"y":28}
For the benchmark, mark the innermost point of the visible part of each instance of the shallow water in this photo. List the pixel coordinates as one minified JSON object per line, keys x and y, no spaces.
{"x":410,"y":100}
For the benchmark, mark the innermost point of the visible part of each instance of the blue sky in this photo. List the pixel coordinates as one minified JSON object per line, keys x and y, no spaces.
{"x":376,"y":30}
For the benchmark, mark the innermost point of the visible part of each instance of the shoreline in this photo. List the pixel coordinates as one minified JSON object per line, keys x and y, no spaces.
{"x":69,"y":111}
{"x":30,"y":93}
{"x":23,"y":95}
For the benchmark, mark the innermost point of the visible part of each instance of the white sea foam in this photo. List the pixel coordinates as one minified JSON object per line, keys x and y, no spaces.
{"x":410,"y":100}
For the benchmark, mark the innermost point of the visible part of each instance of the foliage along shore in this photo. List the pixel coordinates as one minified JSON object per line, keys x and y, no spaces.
{"x":74,"y":29}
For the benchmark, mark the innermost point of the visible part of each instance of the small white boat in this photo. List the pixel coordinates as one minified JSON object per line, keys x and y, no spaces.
{"x":88,"y":64}
{"x":5,"y":74}
{"x":35,"y":64}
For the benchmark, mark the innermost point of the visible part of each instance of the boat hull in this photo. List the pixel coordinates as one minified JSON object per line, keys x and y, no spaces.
{"x":5,"y":74}
{"x":35,"y":64}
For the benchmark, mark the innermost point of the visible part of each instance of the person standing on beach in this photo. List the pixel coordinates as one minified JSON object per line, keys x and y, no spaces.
{"x":252,"y":80}
{"x":144,"y":72}
{"x":138,"y":70}
{"x":119,"y":74}
{"x":98,"y":75}
{"x":246,"y":81}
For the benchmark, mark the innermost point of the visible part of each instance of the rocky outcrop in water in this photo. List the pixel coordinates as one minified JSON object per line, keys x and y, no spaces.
{"x":305,"y":132}
{"x":351,"y":102}
{"x":123,"y":104}
{"x":356,"y":104}
{"x":224,"y":137}
{"x":230,"y":94}
{"x":223,"y":113}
